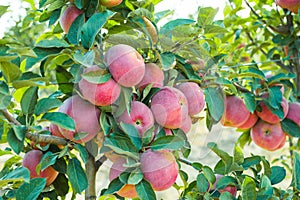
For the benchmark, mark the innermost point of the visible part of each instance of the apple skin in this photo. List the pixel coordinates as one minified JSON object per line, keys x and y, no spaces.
{"x":160,"y":168}
{"x":292,"y":5}
{"x":86,"y":117}
{"x":169,"y":107}
{"x":194,"y":95}
{"x":68,"y":17}
{"x":125,"y":64}
{"x":187,"y":124}
{"x":294,"y":112}
{"x":153,"y":75}
{"x":128,"y":190}
{"x":140,"y":116}
{"x":230,"y":188}
{"x":266,"y":113}
{"x":103,"y":94}
{"x":31,"y":159}
{"x":110,"y":3}
{"x":251,"y":121}
{"x":236,"y":113}
{"x":267,"y":136}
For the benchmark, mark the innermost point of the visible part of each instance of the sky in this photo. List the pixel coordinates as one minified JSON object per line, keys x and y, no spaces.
{"x":182,"y":8}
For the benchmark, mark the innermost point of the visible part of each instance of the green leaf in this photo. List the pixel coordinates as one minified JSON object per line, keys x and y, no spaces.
{"x":10,"y":71}
{"x":20,"y":132}
{"x":135,"y":177}
{"x":206,"y":15}
{"x":213,"y":29}
{"x":16,"y":145}
{"x":75,"y":30}
{"x":277,"y":174}
{"x":249,"y":100}
{"x":96,"y":77}
{"x":16,"y":175}
{"x":238,"y":156}
{"x":60,"y":119}
{"x":53,"y":43}
{"x":3,"y":10}
{"x":60,"y":180}
{"x":251,"y":161}
{"x":29,"y":100}
{"x":226,"y":196}
{"x":133,"y":134}
{"x":82,"y":151}
{"x":290,"y":127}
{"x":214,"y":98}
{"x":275,"y":97}
{"x":225,"y":181}
{"x":296,"y":171}
{"x":209,"y":174}
{"x":167,"y":60}
{"x":114,"y":186}
{"x":86,"y":60}
{"x":31,"y":190}
{"x":279,"y":77}
{"x":91,"y":28}
{"x":202,"y":183}
{"x":171,"y":25}
{"x":64,"y":79}
{"x":170,"y":142}
{"x":226,"y":158}
{"x":4,"y":101}
{"x":145,"y":191}
{"x":48,"y":159}
{"x":46,"y":104}
{"x":251,"y":72}
{"x":77,"y":176}
{"x":248,"y":189}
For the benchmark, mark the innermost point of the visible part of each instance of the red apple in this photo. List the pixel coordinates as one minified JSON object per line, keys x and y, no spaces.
{"x":86,"y":117}
{"x":159,"y":168}
{"x":140,"y":116}
{"x":153,"y":75}
{"x":128,"y":190}
{"x":68,"y":17}
{"x":294,"y":112}
{"x":110,"y":3}
{"x":125,"y":64}
{"x":194,"y":95}
{"x":235,"y":113}
{"x":102,"y":94}
{"x":267,"y":136}
{"x":267,"y":115}
{"x":187,"y":124}
{"x":292,"y":5}
{"x":169,"y":107}
{"x":229,"y":188}
{"x":251,"y":121}
{"x":31,"y":160}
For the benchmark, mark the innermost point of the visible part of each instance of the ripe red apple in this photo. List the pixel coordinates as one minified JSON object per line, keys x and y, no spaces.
{"x":140,"y":116}
{"x":128,"y":190}
{"x":169,"y":107}
{"x":153,"y":75}
{"x":159,"y":168}
{"x":292,"y":5}
{"x":68,"y":17}
{"x":267,"y":115}
{"x":55,"y":130}
{"x":31,"y":160}
{"x":86,"y":117}
{"x":229,"y":188}
{"x":125,"y":64}
{"x":267,"y":136}
{"x":294,"y":112}
{"x":235,"y":113}
{"x":251,"y":121}
{"x":187,"y":124}
{"x":110,"y":3}
{"x":102,"y":94}
{"x":194,"y":95}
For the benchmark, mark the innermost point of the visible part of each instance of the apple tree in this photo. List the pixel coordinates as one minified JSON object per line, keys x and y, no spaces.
{"x":87,"y":81}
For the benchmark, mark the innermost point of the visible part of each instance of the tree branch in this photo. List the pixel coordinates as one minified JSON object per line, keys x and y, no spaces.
{"x":49,"y":139}
{"x":100,"y":162}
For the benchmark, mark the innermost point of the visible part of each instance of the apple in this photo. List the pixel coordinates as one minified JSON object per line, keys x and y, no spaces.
{"x":31,"y":159}
{"x":128,"y":190}
{"x":250,"y":122}
{"x":235,"y":113}
{"x":186,"y":125}
{"x":68,"y":17}
{"x":102,"y":94}
{"x":194,"y":95}
{"x":267,"y":136}
{"x":110,"y":3}
{"x":153,"y":75}
{"x":140,"y":116}
{"x":169,"y":107}
{"x":292,"y":5}
{"x":159,"y":168}
{"x":229,"y":188}
{"x":125,"y":64}
{"x":86,"y":117}
{"x":294,"y":112}
{"x":55,"y":130}
{"x":267,"y":115}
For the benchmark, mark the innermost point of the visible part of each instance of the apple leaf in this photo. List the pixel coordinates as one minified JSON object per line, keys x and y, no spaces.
{"x":18,"y":174}
{"x":171,"y":25}
{"x":10,"y":71}
{"x":29,"y":100}
{"x":206,"y":15}
{"x":214,"y":98}
{"x":77,"y":176}
{"x":249,"y":100}
{"x":209,"y":174}
{"x":275,"y":97}
{"x":225,"y":181}
{"x":31,"y":190}
{"x":75,"y":30}
{"x":226,"y":158}
{"x":47,"y":160}
{"x":60,"y":119}
{"x":170,"y":142}
{"x":251,"y":161}
{"x":290,"y":127}
{"x":248,"y":189}
{"x":277,"y":174}
{"x":296,"y":171}
{"x":16,"y":145}
{"x":145,"y":190}
{"x":60,"y":180}
{"x":56,"y":43}
{"x":46,"y":104}
{"x":83,"y":152}
{"x":202,"y":183}
{"x":96,"y":77}
{"x":133,"y":134}
{"x":87,"y":59}
{"x":114,"y":186}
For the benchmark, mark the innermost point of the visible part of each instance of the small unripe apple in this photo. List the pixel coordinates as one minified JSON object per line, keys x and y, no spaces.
{"x":68,"y":17}
{"x":110,"y":3}
{"x":103,"y":94}
{"x":159,"y":168}
{"x":31,"y":160}
{"x":125,"y":64}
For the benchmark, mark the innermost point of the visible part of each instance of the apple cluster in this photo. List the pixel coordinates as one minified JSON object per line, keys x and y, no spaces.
{"x":266,"y":131}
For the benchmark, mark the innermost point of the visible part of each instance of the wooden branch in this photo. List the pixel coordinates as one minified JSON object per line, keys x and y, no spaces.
{"x":100,"y":162}
{"x":241,"y":88}
{"x":49,"y":139}
{"x":90,"y":166}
